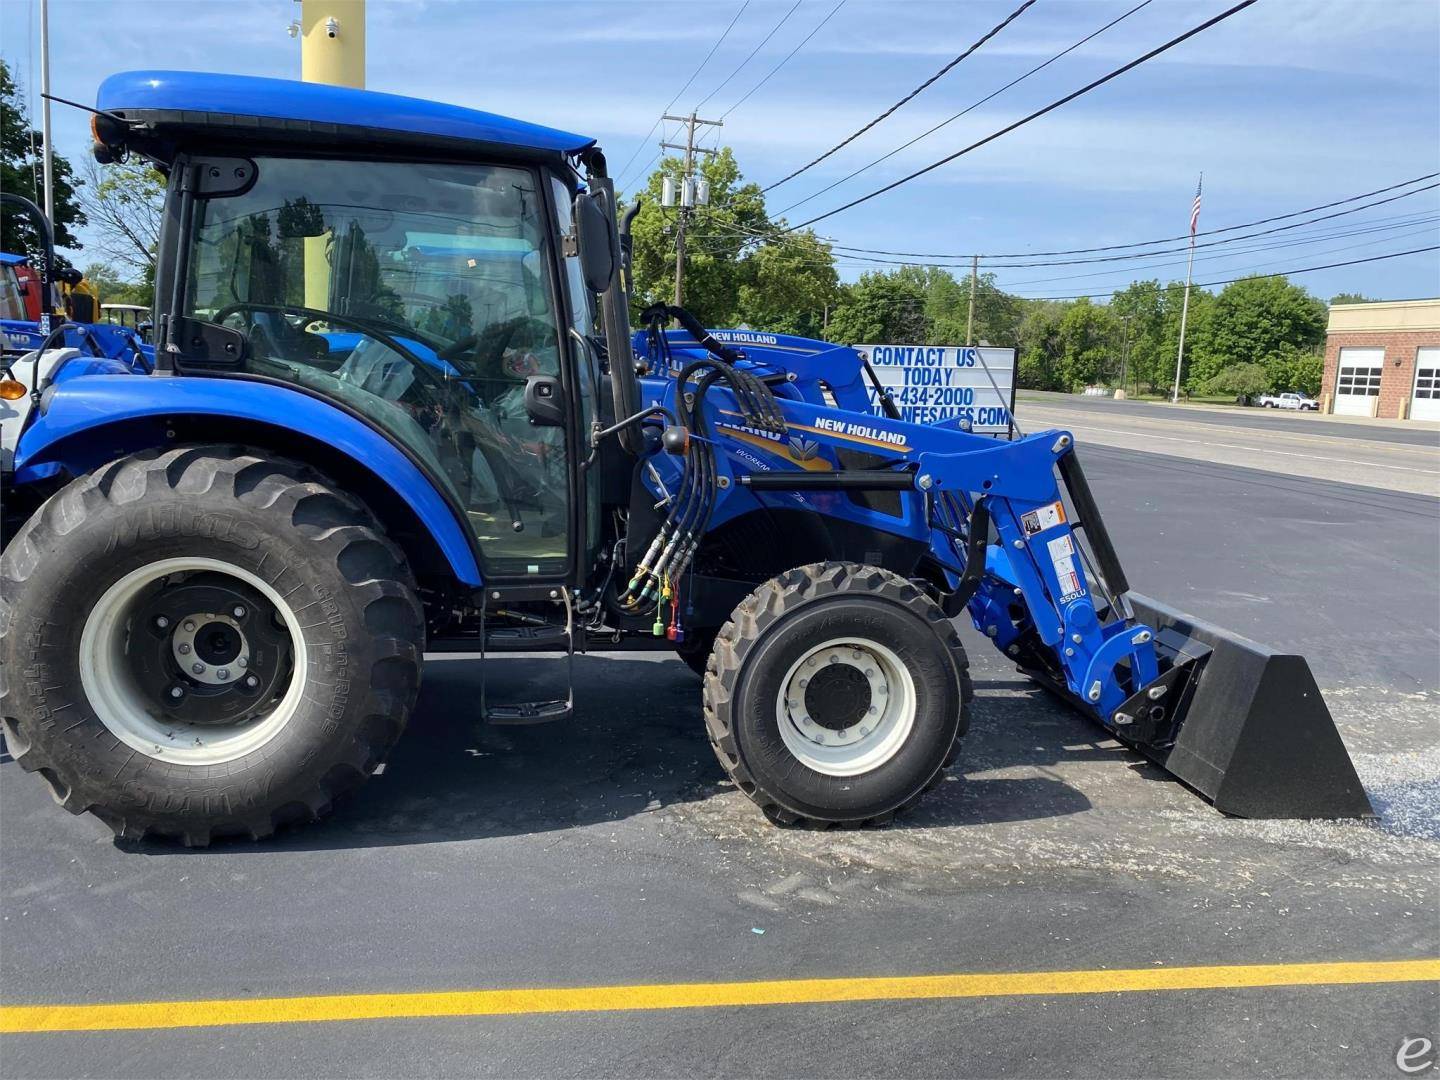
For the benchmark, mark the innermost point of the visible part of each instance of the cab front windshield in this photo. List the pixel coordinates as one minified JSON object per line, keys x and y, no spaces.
{"x":417,"y":294}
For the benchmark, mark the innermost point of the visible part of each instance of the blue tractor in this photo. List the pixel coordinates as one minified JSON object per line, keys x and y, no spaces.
{"x":396,"y":405}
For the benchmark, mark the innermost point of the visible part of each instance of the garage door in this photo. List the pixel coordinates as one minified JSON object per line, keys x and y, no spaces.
{"x":1357,"y":390}
{"x":1426,"y":403}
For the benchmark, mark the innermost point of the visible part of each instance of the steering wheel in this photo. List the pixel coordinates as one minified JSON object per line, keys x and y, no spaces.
{"x":440,"y":390}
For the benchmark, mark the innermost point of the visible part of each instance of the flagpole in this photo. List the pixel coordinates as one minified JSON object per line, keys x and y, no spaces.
{"x":1184,"y":316}
{"x":1185,"y":307}
{"x":47,"y":167}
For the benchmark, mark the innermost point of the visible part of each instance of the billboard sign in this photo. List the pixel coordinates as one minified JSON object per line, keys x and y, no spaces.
{"x":942,"y":382}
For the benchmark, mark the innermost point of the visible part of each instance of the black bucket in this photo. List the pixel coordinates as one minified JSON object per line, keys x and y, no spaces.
{"x":1240,"y":723}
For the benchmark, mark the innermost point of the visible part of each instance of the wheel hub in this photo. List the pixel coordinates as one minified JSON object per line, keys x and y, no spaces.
{"x":207,"y":649}
{"x":846,"y":706}
{"x":211,"y":648}
{"x":838,"y":696}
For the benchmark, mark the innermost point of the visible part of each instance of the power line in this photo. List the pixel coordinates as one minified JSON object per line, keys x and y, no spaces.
{"x":783,"y":20}
{"x":1206,"y":25}
{"x":718,"y":42}
{"x":1215,"y":243}
{"x":967,"y":109}
{"x":785,"y":61}
{"x":1143,"y":259}
{"x":910,"y":96}
{"x":1226,"y":281}
{"x":1403,"y":231}
{"x":1139,"y":255}
{"x":1391,"y":227}
{"x":1148,"y":243}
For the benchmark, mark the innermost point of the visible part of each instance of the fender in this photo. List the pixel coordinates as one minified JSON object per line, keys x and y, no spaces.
{"x":80,"y":419}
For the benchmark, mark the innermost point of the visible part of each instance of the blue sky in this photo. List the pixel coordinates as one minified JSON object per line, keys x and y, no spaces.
{"x":1287,"y":105}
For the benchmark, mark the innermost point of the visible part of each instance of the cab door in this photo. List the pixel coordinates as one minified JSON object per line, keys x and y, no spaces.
{"x":422,"y":295}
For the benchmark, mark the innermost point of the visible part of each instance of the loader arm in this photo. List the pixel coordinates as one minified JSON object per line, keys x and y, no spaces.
{"x":1213,"y":708}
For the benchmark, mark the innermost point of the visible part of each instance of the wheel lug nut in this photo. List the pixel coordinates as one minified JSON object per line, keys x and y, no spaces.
{"x":242,"y":662}
{"x":189,"y":627}
{"x":183,"y":648}
{"x":869,"y":673}
{"x":161,"y":621}
{"x":238,"y":611}
{"x":198,"y":669}
{"x":251,"y":681}
{"x":804,"y":683}
{"x":176,"y":692}
{"x":872,"y":710}
{"x":224,"y":673}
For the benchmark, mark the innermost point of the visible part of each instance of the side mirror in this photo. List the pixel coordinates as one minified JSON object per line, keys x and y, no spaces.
{"x":595,"y":243}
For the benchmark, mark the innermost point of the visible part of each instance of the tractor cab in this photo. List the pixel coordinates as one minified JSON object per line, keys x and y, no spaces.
{"x":401,"y":260}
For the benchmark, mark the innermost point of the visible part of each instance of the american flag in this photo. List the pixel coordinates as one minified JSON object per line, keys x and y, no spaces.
{"x":1195,"y":208}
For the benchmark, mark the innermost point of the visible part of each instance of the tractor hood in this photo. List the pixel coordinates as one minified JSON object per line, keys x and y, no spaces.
{"x":179,"y":100}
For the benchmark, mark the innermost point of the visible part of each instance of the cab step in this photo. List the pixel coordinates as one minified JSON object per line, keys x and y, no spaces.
{"x":520,"y":713}
{"x":548,"y":680}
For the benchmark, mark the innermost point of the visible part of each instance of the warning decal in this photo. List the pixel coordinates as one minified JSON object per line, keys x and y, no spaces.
{"x":1047,"y":517}
{"x":1062,"y":556}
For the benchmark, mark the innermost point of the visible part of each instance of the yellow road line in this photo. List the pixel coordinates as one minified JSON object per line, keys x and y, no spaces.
{"x":29,"y":1019}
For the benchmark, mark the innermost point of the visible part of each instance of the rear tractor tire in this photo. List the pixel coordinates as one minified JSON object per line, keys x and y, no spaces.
{"x":204,"y":642}
{"x":836,"y":695}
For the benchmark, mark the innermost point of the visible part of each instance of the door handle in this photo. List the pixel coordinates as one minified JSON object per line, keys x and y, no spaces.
{"x":544,"y":402}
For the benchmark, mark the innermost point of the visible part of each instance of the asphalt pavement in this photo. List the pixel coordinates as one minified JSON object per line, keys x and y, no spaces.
{"x":1386,"y":456}
{"x":609,"y":851}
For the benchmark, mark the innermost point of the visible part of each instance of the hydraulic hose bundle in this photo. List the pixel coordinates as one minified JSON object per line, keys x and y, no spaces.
{"x":659,"y":571}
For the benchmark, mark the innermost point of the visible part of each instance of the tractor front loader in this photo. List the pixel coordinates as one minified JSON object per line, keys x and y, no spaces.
{"x":397,"y":405}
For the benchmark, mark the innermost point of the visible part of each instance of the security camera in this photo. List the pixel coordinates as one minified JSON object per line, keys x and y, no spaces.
{"x":332,"y":27}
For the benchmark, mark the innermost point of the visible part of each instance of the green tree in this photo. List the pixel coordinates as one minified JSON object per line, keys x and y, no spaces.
{"x":113,"y":288}
{"x":1087,"y":345}
{"x":947,"y":306}
{"x":881,"y":307}
{"x":20,"y":174}
{"x":1239,"y":380}
{"x":788,"y":286}
{"x":125,"y":203}
{"x":1352,"y":298}
{"x":1140,"y":307}
{"x":1259,"y":320}
{"x":1041,"y":345}
{"x":717,"y":239}
{"x":1296,"y":367}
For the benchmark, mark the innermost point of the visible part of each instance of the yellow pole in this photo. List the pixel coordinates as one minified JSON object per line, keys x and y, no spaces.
{"x":332,"y":50}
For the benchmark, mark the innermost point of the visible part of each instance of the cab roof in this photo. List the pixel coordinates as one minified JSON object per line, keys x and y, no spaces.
{"x":193,"y":99}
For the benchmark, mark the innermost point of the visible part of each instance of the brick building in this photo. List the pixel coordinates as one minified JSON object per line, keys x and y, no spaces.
{"x":1383,"y":360}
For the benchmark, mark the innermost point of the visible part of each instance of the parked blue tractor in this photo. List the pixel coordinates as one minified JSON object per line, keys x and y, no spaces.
{"x":397,"y":405}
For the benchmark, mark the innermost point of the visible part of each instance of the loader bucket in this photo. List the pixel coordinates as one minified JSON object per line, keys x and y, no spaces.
{"x":1246,"y":726}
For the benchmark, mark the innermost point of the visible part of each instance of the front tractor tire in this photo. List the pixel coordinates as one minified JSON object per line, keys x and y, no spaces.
{"x":836,"y":694}
{"x":204,"y":642}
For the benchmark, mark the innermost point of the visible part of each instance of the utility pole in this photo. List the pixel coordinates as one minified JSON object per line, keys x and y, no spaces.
{"x":1125,"y":352}
{"x":687,"y":190}
{"x":970,"y":318}
{"x":47,"y":160}
{"x":332,"y":51}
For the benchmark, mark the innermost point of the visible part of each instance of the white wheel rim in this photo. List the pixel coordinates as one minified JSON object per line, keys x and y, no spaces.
{"x":138,"y":722}
{"x":878,"y":730}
